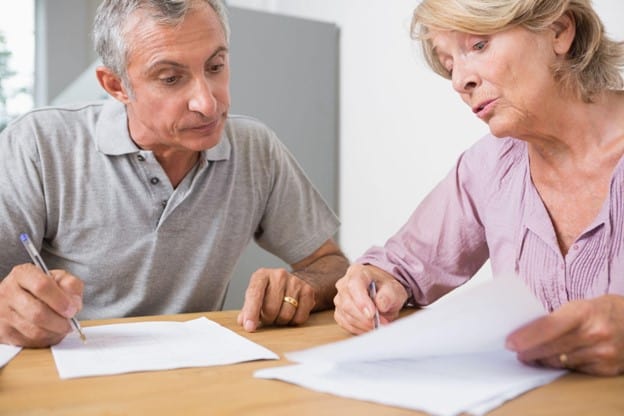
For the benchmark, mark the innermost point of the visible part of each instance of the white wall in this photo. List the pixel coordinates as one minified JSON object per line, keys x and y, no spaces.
{"x":402,"y":127}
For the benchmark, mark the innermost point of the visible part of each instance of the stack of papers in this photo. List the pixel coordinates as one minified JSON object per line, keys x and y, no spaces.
{"x":161,"y":345}
{"x":445,"y":360}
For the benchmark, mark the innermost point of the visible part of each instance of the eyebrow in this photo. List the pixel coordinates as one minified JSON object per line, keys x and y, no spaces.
{"x":167,"y":62}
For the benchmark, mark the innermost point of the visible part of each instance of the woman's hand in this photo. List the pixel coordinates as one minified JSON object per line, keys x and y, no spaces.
{"x":355,"y":309}
{"x":584,"y":335}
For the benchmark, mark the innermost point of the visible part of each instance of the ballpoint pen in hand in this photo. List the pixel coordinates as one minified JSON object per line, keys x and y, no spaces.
{"x":36,"y":258}
{"x":372,"y":292}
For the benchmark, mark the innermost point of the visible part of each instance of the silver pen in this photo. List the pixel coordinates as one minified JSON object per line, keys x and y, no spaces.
{"x":36,"y":258}
{"x":372,"y":292}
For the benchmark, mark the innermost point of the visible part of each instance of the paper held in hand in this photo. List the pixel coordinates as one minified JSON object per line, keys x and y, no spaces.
{"x":445,"y":359}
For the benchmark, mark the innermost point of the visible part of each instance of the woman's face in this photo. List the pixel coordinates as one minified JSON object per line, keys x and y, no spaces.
{"x":505,"y":78}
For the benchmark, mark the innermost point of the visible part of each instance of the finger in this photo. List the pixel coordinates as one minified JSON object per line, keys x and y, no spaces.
{"x":34,"y":319}
{"x":274,"y":309}
{"x":602,"y":360}
{"x":544,"y":331}
{"x":46,"y":290}
{"x":24,"y":320}
{"x":349,"y":316}
{"x":254,"y":297}
{"x":290,"y":304}
{"x":346,"y":322}
{"x":354,"y":288}
{"x":391,"y":296}
{"x":298,"y":302}
{"x":28,"y":291}
{"x":27,"y":334}
{"x":71,"y":285}
{"x":307,"y":301}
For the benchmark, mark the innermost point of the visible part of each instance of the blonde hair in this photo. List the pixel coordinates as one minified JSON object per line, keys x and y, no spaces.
{"x":593,"y":62}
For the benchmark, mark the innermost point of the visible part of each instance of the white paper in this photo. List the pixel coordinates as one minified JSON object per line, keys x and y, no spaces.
{"x":156,"y":345}
{"x":444,"y":360}
{"x":477,"y":320}
{"x":7,"y":352}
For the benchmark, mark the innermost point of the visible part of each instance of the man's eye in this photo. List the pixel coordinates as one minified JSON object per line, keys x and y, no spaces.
{"x":479,"y":45}
{"x":169,"y":80}
{"x":216,"y":68}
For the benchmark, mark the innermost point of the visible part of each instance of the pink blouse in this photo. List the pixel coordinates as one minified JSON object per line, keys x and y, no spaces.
{"x":488,"y":207}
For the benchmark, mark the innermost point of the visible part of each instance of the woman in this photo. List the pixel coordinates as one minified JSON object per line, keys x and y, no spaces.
{"x":541,"y":196}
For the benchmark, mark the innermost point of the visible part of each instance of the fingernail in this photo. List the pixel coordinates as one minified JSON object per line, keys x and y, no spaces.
{"x":71,"y":311}
{"x":368,"y":313}
{"x":510,"y":345}
{"x":250,"y":325}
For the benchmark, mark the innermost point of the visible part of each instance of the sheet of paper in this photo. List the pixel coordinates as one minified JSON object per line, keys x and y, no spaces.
{"x":145,"y":346}
{"x":477,"y":320}
{"x":449,"y":385}
{"x":445,"y":360}
{"x":7,"y":352}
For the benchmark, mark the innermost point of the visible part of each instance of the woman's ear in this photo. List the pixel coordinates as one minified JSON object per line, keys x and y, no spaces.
{"x":564,"y":30}
{"x":112,"y":83}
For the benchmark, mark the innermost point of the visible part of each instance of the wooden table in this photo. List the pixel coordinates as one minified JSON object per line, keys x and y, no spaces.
{"x":30,"y":385}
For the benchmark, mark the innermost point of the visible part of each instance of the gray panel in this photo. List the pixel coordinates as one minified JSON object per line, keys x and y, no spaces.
{"x":285,"y":72}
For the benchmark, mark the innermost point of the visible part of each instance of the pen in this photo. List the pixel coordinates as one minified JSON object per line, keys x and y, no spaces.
{"x":372,"y":292}
{"x":36,"y":258}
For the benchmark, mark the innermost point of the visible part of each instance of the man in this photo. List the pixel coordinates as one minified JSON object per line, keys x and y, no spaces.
{"x":142,"y":205}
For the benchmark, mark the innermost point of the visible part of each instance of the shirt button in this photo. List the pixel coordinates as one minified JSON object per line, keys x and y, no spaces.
{"x":141,"y":158}
{"x":154,"y":180}
{"x":164,"y":203}
{"x":575,"y":246}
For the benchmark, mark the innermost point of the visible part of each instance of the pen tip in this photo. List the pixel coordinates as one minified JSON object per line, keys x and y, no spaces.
{"x":83,"y":338}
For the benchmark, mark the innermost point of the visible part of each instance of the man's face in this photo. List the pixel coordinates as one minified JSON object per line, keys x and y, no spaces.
{"x":179,"y":76}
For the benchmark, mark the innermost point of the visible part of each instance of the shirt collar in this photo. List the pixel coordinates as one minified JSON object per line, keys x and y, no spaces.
{"x":113,"y":138}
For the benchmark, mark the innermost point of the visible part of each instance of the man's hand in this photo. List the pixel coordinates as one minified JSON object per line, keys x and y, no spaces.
{"x":355,"y":309}
{"x":277,"y":297}
{"x":584,"y":335}
{"x":35,"y":308}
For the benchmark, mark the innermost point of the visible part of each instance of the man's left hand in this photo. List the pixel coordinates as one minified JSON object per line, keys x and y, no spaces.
{"x":276,"y":297}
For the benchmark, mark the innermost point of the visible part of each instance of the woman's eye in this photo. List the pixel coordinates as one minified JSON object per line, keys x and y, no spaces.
{"x":479,"y":45}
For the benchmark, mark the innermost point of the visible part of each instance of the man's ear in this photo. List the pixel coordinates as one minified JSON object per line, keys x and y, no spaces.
{"x":112,"y":84}
{"x":564,"y":30}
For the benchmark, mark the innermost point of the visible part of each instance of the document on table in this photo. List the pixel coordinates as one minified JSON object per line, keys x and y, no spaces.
{"x":155,"y":345}
{"x":444,"y":360}
{"x":7,"y":352}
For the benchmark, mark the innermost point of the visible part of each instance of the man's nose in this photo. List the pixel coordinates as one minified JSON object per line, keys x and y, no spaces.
{"x":202,"y":98}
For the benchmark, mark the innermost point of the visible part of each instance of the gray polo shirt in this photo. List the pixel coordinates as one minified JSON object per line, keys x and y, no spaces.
{"x":103,"y":209}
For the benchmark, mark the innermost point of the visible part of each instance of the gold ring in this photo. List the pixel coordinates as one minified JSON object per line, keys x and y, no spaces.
{"x":292,"y":301}
{"x":563,"y":359}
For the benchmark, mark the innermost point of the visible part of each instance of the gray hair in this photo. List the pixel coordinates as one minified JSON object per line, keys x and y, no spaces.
{"x":592,"y":64}
{"x":109,"y":27}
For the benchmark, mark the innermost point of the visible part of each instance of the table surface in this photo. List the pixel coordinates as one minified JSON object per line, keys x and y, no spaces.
{"x":30,"y":385}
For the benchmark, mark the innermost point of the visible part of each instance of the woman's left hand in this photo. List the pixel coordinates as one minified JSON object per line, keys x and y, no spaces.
{"x":583,"y":335}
